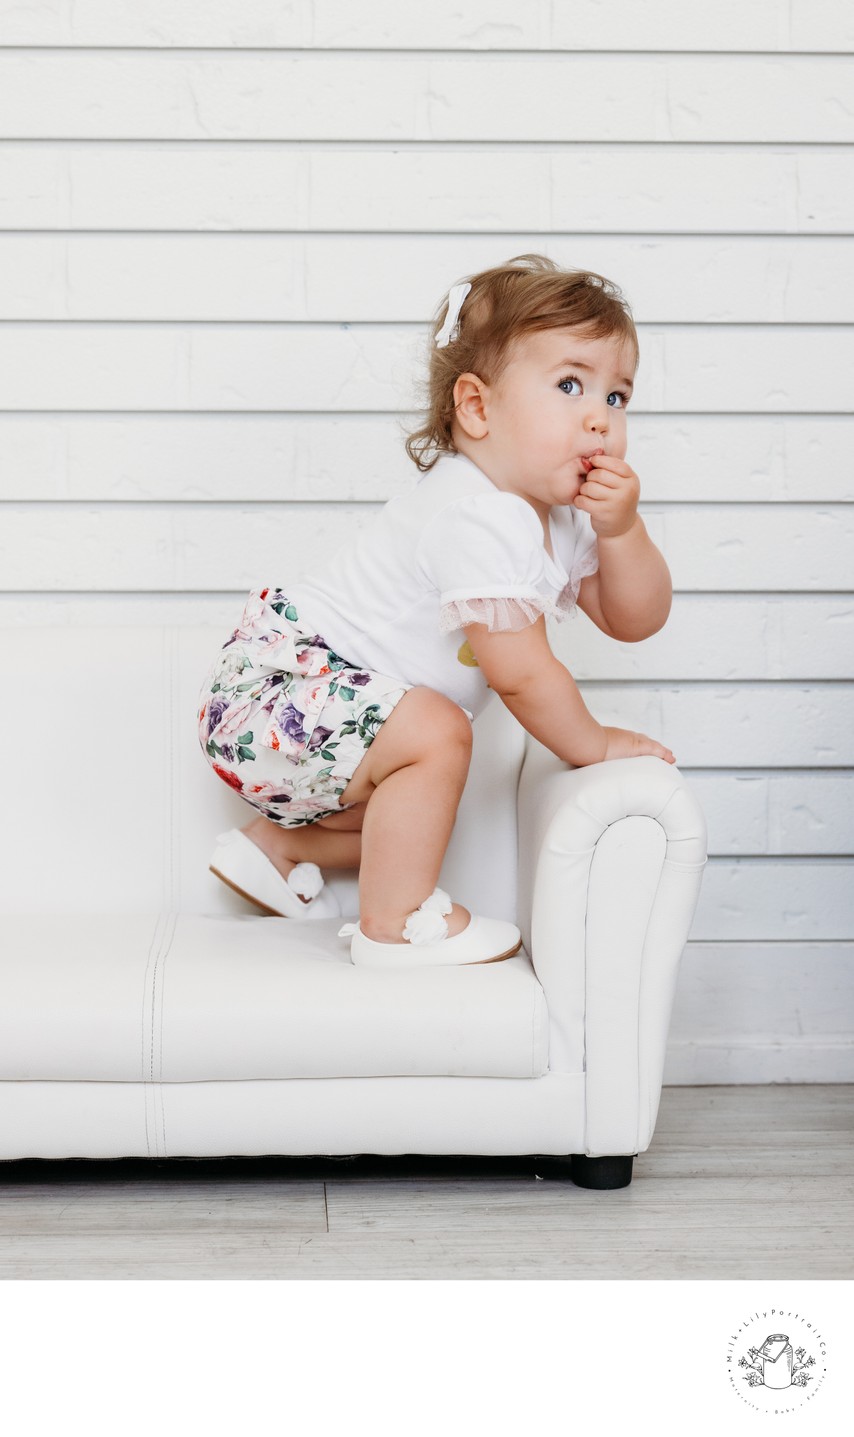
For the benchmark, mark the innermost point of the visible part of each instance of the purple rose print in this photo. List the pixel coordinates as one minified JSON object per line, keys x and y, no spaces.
{"x":290,"y":721}
{"x":358,"y":679}
{"x":319,"y":737}
{"x":216,"y":710}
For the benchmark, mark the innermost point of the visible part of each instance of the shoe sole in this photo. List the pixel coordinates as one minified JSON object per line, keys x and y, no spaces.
{"x":497,"y":959}
{"x":274,"y":912}
{"x":473,"y":962}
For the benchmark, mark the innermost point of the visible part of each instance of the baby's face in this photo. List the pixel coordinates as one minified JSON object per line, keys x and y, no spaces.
{"x":560,"y":398}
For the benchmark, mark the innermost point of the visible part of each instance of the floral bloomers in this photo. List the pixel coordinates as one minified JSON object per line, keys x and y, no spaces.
{"x":283,"y":719}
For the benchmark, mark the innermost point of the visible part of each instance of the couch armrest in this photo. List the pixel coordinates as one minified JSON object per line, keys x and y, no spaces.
{"x":611,"y":858}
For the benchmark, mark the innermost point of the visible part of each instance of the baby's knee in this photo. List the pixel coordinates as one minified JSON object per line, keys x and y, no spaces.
{"x":460,"y":725}
{"x":444,"y":721}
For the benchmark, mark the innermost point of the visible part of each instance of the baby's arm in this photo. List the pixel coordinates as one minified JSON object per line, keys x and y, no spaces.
{"x":542,"y":694}
{"x":631,"y":595}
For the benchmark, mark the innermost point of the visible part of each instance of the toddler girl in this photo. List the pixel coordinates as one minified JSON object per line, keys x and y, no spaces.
{"x":344,"y":702}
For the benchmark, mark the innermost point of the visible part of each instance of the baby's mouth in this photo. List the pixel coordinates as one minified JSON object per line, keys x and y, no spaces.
{"x":586,"y":466}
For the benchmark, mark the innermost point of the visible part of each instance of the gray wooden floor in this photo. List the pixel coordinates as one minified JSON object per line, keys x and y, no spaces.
{"x":739,"y":1182}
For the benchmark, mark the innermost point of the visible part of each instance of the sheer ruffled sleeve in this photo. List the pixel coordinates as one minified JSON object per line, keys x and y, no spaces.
{"x":484,"y":554}
{"x":498,"y":614}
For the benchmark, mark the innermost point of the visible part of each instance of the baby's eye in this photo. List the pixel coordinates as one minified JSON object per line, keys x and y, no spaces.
{"x":574,"y":379}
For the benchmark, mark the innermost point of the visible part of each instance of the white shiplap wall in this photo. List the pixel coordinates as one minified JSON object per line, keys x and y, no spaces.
{"x":222,"y":229}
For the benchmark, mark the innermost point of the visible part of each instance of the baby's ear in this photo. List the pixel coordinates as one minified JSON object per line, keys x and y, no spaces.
{"x":469,"y":402}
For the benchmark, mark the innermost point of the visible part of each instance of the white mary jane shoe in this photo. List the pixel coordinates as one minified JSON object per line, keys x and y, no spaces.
{"x":244,"y":867}
{"x":483,"y":940}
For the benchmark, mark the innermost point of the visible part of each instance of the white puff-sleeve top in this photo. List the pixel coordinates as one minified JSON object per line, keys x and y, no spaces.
{"x":487,"y":559}
{"x":455,"y":550}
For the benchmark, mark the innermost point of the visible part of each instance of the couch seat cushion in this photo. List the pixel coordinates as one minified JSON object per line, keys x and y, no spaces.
{"x":181,"y":997}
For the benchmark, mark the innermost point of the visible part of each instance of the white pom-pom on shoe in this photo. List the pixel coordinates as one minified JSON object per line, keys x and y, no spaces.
{"x":425,"y":928}
{"x":438,"y":902}
{"x":305,"y":879}
{"x":426,"y":924}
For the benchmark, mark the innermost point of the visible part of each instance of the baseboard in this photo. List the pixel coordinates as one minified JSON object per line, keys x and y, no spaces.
{"x":793,"y":1060}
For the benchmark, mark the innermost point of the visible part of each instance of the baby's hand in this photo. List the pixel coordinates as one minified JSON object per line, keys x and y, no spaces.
{"x":623,"y":743}
{"x":610,"y":495}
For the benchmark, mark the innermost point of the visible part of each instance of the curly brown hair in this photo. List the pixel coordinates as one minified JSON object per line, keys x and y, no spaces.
{"x":528,"y":293}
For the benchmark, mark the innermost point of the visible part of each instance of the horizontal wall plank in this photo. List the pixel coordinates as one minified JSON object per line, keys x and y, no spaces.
{"x":313,"y":96}
{"x":793,"y":1060}
{"x":744,"y":636}
{"x":360,"y":458}
{"x":744,"y":725}
{"x":710,"y":548}
{"x":797,"y":548}
{"x":674,"y":279}
{"x":358,"y":367}
{"x":783,"y":900}
{"x":764,"y":25}
{"x":753,"y":190}
{"x":760,"y":814}
{"x":764,"y":990}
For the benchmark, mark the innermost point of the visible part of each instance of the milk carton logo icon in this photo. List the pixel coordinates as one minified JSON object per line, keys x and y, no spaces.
{"x":776,"y":1371}
{"x":777,"y":1360}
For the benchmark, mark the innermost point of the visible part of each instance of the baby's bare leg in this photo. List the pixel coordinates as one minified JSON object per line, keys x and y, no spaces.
{"x":333,"y":842}
{"x":414,"y":772}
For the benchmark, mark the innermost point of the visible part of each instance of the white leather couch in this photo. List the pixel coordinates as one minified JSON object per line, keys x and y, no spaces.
{"x":147,"y":1010}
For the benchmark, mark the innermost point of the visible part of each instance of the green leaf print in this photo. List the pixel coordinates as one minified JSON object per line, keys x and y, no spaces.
{"x":347,"y":694}
{"x":245,"y":737}
{"x":291,"y":613}
{"x":247,"y":684}
{"x":244,"y":753}
{"x":370,"y":724}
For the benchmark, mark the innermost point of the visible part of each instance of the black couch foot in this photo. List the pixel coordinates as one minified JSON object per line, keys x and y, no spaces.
{"x":601,"y":1172}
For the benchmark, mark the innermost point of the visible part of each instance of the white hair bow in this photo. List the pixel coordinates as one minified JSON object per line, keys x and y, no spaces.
{"x":455,"y":304}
